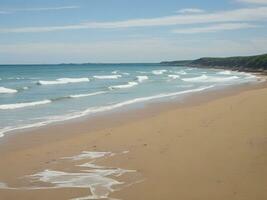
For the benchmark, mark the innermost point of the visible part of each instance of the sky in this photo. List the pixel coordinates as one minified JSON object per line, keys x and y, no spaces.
{"x":125,"y":31}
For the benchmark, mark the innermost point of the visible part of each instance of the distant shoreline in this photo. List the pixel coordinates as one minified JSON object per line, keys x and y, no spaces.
{"x":250,"y":64}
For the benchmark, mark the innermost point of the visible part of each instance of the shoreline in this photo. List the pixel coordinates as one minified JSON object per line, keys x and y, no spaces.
{"x":39,"y":149}
{"x":261,"y":78}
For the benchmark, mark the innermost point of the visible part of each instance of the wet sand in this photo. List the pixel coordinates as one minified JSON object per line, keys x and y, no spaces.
{"x":211,"y":146}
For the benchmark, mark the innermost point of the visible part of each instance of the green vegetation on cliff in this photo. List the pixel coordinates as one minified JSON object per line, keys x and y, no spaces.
{"x":243,"y":63}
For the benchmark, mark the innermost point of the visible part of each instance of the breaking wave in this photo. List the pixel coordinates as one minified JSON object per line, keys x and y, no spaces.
{"x":4,"y":90}
{"x":107,"y":77}
{"x":93,"y":110}
{"x":87,"y":95}
{"x":23,"y":105}
{"x":205,"y":78}
{"x":63,"y":81}
{"x":159,"y":72}
{"x":173,"y":76}
{"x":128,"y":85}
{"x":142,"y":78}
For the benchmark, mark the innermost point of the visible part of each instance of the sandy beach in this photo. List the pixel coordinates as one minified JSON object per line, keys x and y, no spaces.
{"x":206,"y":147}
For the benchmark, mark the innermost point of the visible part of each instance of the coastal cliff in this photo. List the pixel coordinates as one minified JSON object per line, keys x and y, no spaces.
{"x":243,"y":63}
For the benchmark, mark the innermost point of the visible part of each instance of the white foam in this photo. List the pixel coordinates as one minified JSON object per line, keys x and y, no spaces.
{"x":173,"y":76}
{"x":125,"y":73}
{"x":128,"y":85}
{"x":64,"y":81}
{"x":142,"y":72}
{"x":114,"y":72}
{"x":4,"y":90}
{"x":93,"y":110}
{"x":87,"y":95}
{"x":181,"y":72}
{"x":89,"y":155}
{"x":225,"y":72}
{"x":250,"y":76}
{"x":99,"y":179}
{"x":142,"y":78}
{"x":3,"y":185}
{"x":107,"y":77}
{"x":159,"y":72}
{"x":22,"y":105}
{"x":205,"y":78}
{"x":91,"y":165}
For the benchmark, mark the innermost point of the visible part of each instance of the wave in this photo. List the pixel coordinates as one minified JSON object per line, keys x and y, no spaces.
{"x":22,"y":105}
{"x":36,"y":103}
{"x":87,"y":95}
{"x":128,"y":85}
{"x":159,"y":72}
{"x":63,"y":81}
{"x":173,"y":76}
{"x":181,"y":72}
{"x":225,"y":72}
{"x":4,"y":90}
{"x":114,"y":72}
{"x":142,"y":72}
{"x":141,"y":78}
{"x":108,"y":77}
{"x":78,"y":95}
{"x":94,"y":110}
{"x":205,"y":78}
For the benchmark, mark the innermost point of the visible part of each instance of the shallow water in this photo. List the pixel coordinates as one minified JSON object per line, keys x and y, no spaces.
{"x":36,"y":95}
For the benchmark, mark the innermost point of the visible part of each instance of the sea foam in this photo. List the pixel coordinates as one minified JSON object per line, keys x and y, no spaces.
{"x":93,"y":110}
{"x":173,"y":76}
{"x":63,"y":81}
{"x":142,"y":78}
{"x":4,"y":90}
{"x":87,"y":94}
{"x":159,"y":72}
{"x":107,"y":77}
{"x":128,"y":85}
{"x":205,"y":78}
{"x":225,"y":72}
{"x":23,"y":105}
{"x":99,"y":180}
{"x":89,"y":155}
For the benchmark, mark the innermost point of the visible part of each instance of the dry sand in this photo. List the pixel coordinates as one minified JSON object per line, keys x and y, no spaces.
{"x":214,"y":149}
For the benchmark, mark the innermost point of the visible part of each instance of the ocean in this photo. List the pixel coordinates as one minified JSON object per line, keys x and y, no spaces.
{"x":37,"y":95}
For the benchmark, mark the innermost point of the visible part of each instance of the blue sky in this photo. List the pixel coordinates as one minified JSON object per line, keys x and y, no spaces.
{"x":54,"y":31}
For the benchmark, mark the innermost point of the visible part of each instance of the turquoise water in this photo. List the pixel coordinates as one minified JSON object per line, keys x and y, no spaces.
{"x":36,"y":95}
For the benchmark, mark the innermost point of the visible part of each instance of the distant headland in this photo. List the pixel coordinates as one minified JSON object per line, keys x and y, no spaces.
{"x":256,"y":63}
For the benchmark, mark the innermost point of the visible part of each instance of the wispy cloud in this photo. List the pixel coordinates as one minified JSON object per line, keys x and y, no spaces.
{"x":216,"y":28}
{"x":237,"y":15}
{"x":253,"y":1}
{"x":190,"y":10}
{"x":37,"y":9}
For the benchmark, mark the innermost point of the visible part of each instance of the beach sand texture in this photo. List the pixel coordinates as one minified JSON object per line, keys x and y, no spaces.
{"x":215,"y":150}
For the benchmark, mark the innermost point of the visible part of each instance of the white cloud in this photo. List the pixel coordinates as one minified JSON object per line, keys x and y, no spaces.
{"x":237,"y":15}
{"x":190,"y":10}
{"x":253,"y":1}
{"x":215,"y":28}
{"x":37,"y":9}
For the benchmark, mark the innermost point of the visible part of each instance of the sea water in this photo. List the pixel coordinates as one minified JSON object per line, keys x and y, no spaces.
{"x":36,"y":95}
